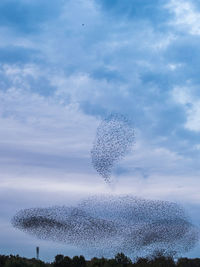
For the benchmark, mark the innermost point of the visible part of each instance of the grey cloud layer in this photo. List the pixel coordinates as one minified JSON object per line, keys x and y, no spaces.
{"x":118,"y":61}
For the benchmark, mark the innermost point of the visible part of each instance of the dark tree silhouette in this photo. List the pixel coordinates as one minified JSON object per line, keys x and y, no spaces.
{"x":58,"y":260}
{"x":122,"y":259}
{"x":185,"y":262}
{"x":67,"y":262}
{"x":3,"y":260}
{"x":78,"y":261}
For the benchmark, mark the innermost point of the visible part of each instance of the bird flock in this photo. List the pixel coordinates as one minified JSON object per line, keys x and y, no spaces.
{"x":108,"y":224}
{"x":114,"y":138}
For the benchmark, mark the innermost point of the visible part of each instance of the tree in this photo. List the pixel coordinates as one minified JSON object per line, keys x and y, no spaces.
{"x":3,"y":260}
{"x":16,"y":262}
{"x":78,"y":261}
{"x":122,"y":259}
{"x":185,"y":262}
{"x":58,"y":260}
{"x":110,"y":263}
{"x":67,"y":262}
{"x":162,"y":261}
{"x":95,"y":262}
{"x":82,"y":261}
{"x":142,"y":262}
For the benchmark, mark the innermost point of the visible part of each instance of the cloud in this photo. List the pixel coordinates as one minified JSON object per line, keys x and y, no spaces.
{"x":58,"y":79}
{"x":191,"y":105}
{"x":186,"y":16}
{"x":130,"y":67}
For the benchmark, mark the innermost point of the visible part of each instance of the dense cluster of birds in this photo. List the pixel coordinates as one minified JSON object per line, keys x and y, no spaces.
{"x":107,"y":224}
{"x":114,"y":138}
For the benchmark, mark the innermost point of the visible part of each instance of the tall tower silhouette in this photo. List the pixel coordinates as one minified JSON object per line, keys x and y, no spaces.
{"x":37,"y":253}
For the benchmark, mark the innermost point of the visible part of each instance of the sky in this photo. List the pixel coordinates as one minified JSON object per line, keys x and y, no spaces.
{"x":65,"y":65}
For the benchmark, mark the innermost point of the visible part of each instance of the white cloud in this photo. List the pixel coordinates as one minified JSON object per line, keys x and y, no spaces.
{"x":47,"y":138}
{"x":191,"y":104}
{"x":187,"y":18}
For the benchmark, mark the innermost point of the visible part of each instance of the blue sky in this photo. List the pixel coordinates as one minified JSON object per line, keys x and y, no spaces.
{"x":59,"y":78}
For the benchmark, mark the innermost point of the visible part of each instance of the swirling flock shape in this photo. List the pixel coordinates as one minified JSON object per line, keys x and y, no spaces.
{"x":114,"y":138}
{"x":108,"y":224}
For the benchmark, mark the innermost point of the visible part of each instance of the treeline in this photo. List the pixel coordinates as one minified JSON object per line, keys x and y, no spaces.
{"x":120,"y":260}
